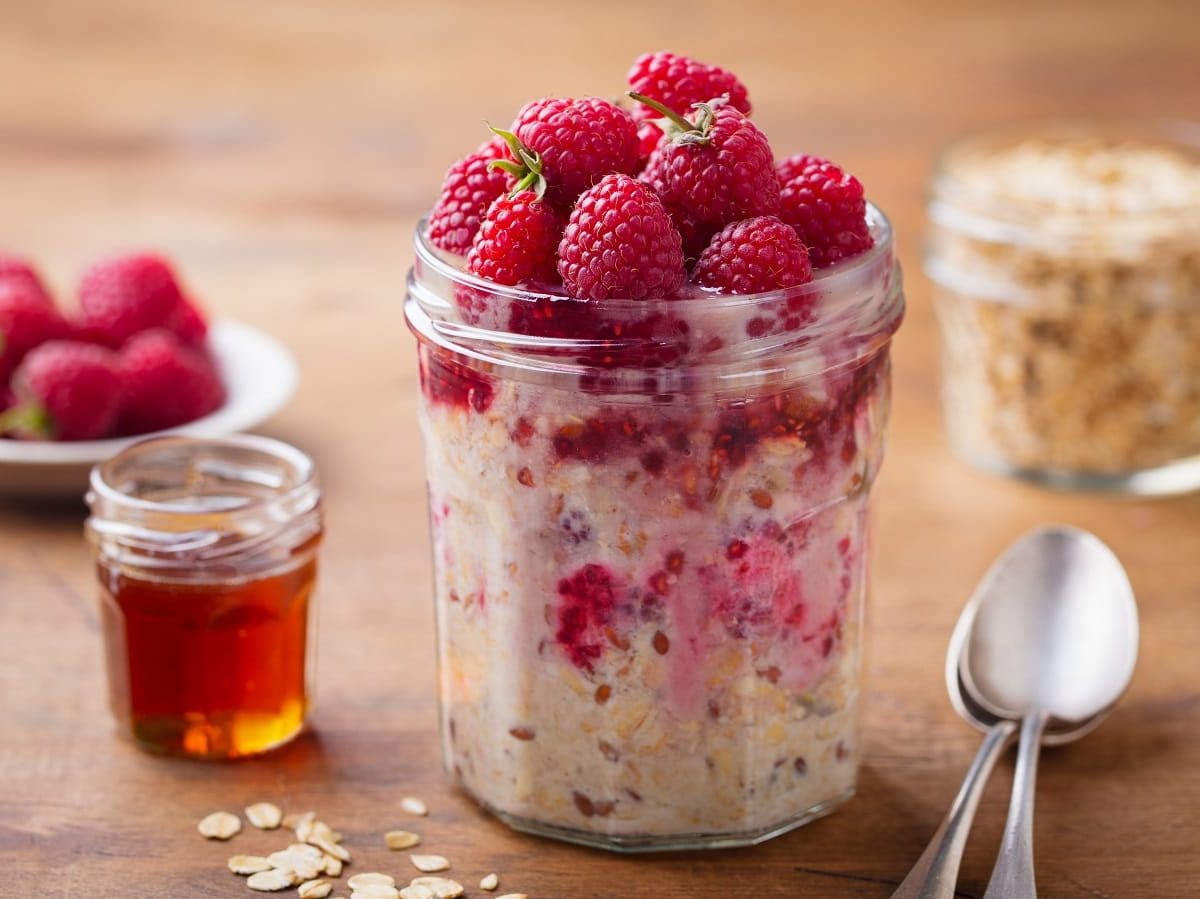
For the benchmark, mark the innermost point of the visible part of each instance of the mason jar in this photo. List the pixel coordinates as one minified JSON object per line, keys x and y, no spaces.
{"x":206,"y":554}
{"x":1065,"y":258}
{"x":650,"y":547}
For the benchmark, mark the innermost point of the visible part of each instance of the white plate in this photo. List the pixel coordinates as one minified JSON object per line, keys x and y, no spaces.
{"x":260,"y":376}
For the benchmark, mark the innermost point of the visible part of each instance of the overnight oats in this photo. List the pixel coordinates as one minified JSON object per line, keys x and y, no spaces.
{"x":649,"y":449}
{"x":1067,"y":275}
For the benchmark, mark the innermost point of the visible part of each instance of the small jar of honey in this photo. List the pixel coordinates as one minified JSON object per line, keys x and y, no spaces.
{"x":206,"y":552}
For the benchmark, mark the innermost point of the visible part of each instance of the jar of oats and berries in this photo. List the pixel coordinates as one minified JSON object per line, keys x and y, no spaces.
{"x":1066,"y":264}
{"x":651,"y":431}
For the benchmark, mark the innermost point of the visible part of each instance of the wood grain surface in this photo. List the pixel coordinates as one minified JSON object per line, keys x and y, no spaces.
{"x":281,"y":151}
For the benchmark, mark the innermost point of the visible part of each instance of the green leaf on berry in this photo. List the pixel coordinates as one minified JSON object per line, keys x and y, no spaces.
{"x":527,"y":171}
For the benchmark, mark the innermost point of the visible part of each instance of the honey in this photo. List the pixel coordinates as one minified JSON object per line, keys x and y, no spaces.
{"x":207,"y":564}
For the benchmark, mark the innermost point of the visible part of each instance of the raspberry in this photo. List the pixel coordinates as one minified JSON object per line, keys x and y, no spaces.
{"x":468,"y":190}
{"x":649,"y":135}
{"x":753,"y":256}
{"x":717,"y":169}
{"x":517,"y":241}
{"x":188,"y":323}
{"x":16,"y":268}
{"x":826,"y":207}
{"x":66,"y":390}
{"x":577,"y":142}
{"x":678,"y":82}
{"x":620,"y":242}
{"x":27,"y":318}
{"x":587,"y":603}
{"x":167,"y":383}
{"x":125,"y":295}
{"x":452,"y":383}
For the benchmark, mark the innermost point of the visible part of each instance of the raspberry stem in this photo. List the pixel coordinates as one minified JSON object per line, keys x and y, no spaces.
{"x":528,"y":171}
{"x":30,"y":420}
{"x":671,"y":115}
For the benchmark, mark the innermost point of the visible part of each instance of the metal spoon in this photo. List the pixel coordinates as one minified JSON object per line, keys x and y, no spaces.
{"x":1055,"y":637}
{"x":935,"y":873}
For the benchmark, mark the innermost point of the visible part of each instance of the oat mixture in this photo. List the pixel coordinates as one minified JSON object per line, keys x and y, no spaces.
{"x":1067,"y":279}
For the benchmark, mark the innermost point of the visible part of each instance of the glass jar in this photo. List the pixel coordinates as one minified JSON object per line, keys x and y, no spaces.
{"x":650,"y":537}
{"x":1065,"y":259}
{"x":206,"y":551}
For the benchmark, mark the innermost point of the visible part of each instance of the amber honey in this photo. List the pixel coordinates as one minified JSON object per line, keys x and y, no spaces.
{"x":214,"y":670}
{"x":206,"y":557}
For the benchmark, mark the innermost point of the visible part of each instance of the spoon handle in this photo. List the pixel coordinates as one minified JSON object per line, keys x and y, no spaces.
{"x":936,"y":871}
{"x":1012,"y":878}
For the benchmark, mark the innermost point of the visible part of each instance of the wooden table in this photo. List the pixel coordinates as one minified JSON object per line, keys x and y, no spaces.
{"x":281,"y":151}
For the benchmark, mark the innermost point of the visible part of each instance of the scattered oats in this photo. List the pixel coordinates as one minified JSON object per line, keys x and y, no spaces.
{"x":304,"y":829}
{"x":513,"y":896}
{"x":429,"y":864}
{"x":295,"y":819}
{"x":249,"y":864}
{"x":321,"y":830}
{"x":489,"y":882}
{"x":329,"y":847}
{"x":417,"y":892}
{"x":370,"y":878}
{"x":333,"y":866}
{"x":220,"y":826}
{"x":304,"y":850}
{"x":315,"y":889}
{"x":438,"y":887}
{"x":401,"y":839}
{"x":270,"y":881}
{"x":414,"y":806}
{"x":375,"y":891}
{"x":264,"y":815}
{"x":281,"y":859}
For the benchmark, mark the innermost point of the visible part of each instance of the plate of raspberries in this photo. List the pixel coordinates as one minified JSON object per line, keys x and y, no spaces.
{"x":137,"y":357}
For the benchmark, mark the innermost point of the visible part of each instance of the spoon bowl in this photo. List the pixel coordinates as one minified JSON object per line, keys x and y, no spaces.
{"x":1052,"y":628}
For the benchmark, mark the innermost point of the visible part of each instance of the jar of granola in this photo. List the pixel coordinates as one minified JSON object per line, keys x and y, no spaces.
{"x":650,"y":547}
{"x":1066,"y":265}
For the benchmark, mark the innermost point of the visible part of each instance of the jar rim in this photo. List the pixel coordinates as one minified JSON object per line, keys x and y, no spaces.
{"x":639,"y":348}
{"x":830,"y":279}
{"x":102,"y":486}
{"x":1012,"y":219}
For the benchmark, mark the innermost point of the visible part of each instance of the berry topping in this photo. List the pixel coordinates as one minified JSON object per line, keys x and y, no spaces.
{"x":753,"y":256}
{"x":715,"y":168}
{"x":167,"y":383}
{"x":125,"y":295}
{"x":468,"y":190}
{"x":65,"y":390}
{"x":826,"y":207}
{"x":454,"y":384}
{"x":577,"y":142}
{"x":517,"y":241}
{"x":27,"y":318}
{"x":587,"y":605}
{"x":678,"y":83}
{"x":620,"y":242}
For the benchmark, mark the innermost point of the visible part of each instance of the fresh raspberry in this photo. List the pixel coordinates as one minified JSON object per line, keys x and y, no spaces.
{"x":754,"y":256}
{"x":27,"y":318}
{"x":167,"y":383}
{"x":451,"y":383}
{"x":468,"y":190}
{"x":577,"y":142}
{"x":66,"y":390}
{"x":620,"y":242}
{"x":517,"y":241}
{"x":126,"y":295}
{"x":649,"y":135}
{"x":678,"y":82}
{"x":188,"y":323}
{"x":718,"y":169}
{"x":16,"y":268}
{"x":826,"y":207}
